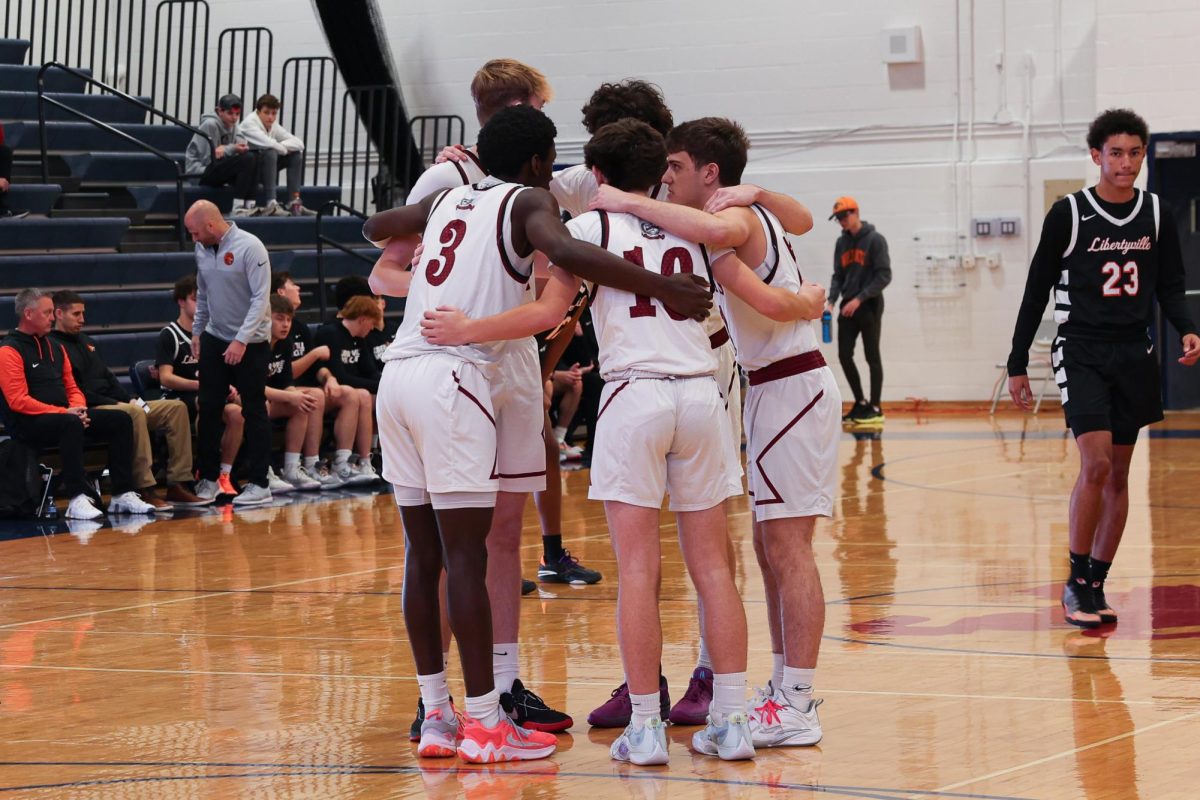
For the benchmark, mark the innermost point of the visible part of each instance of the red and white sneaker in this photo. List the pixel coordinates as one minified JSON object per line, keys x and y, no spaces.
{"x":439,"y":737}
{"x":505,"y":742}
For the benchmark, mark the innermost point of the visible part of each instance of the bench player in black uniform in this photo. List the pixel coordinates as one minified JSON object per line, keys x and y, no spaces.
{"x":1108,"y":252}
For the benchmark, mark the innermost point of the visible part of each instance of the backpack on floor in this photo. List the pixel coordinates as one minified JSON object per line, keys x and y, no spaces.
{"x":21,"y":484}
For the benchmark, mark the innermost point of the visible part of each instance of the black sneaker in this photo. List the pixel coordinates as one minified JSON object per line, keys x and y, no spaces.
{"x":856,"y":411}
{"x":9,"y":214}
{"x":567,"y":570}
{"x":1107,"y":614}
{"x":1079,"y":606}
{"x":528,"y":710}
{"x":414,"y":731}
{"x":527,"y":587}
{"x":870,"y":415}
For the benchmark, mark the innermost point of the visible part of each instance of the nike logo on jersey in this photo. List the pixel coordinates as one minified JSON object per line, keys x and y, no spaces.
{"x":263,"y":263}
{"x":1085,"y":219}
{"x":35,"y":364}
{"x":1149,"y":349}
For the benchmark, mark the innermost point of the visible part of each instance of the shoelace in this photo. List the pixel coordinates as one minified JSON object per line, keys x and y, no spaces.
{"x":693,"y":690}
{"x":622,"y":689}
{"x":529,"y":699}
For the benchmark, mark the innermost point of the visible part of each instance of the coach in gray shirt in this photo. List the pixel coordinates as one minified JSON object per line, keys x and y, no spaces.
{"x":230,"y":341}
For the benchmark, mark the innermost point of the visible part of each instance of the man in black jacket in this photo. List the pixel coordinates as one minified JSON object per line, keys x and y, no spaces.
{"x":47,"y":409}
{"x":101,"y":389}
{"x":861,"y":270}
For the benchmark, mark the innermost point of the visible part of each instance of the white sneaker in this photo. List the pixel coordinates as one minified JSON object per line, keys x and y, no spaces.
{"x":320,"y":473}
{"x":129,"y":503}
{"x":343,"y":472}
{"x":300,"y":480}
{"x":81,"y":507}
{"x":273,"y":209}
{"x":276,"y":484}
{"x":775,"y":722}
{"x":253,"y":495}
{"x":364,"y":473}
{"x":642,"y":745}
{"x":244,"y":211}
{"x":729,"y":741}
{"x":208,"y":490}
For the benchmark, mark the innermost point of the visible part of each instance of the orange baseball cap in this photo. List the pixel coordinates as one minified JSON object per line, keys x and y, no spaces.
{"x":843,"y":204}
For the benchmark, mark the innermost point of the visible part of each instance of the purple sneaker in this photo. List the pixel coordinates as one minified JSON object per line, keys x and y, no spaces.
{"x":692,"y":709}
{"x":617,"y":710}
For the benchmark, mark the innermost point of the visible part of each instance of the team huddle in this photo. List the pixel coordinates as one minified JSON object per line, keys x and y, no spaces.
{"x":659,"y":225}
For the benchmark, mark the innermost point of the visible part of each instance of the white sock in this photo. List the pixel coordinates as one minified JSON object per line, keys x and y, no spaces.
{"x":485,"y":709}
{"x":560,"y":433}
{"x":341,"y":457}
{"x":291,"y":461}
{"x":226,"y":469}
{"x":705,"y":660}
{"x":729,"y":695}
{"x":435,"y":694}
{"x":310,"y":462}
{"x":777,"y":671}
{"x":504,"y":665}
{"x":646,"y":708}
{"x":798,"y":685}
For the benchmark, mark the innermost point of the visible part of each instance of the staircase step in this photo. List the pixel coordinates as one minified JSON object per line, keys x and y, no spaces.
{"x":71,"y":201}
{"x":134,"y":216}
{"x":12,"y":51}
{"x":33,"y":197}
{"x":22,"y":78}
{"x":83,"y":137}
{"x":23,"y":105}
{"x":120,"y":168}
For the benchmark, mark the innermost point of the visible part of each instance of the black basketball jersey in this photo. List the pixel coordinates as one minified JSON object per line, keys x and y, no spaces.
{"x":1110,"y":269}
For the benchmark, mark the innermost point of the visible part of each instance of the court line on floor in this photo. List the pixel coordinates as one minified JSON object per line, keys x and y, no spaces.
{"x":302,"y":770}
{"x":1045,"y":760}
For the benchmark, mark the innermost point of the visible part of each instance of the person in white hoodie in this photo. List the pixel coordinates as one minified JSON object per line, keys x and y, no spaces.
{"x":279,"y":149}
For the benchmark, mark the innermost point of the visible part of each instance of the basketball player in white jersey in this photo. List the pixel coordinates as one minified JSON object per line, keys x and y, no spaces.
{"x":792,"y":409}
{"x":661,"y":428}
{"x":450,"y":440}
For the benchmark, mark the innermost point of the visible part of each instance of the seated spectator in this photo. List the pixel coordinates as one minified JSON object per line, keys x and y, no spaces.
{"x":354,"y":424}
{"x":232,"y":162}
{"x":378,"y":338}
{"x":101,"y":389}
{"x":566,"y":391}
{"x":345,"y":338}
{"x":6,"y":162}
{"x":303,"y":407}
{"x":278,"y":149}
{"x":179,"y":377}
{"x":47,"y":409}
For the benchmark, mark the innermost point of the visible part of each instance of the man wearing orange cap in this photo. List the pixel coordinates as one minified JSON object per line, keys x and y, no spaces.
{"x":861,"y":270}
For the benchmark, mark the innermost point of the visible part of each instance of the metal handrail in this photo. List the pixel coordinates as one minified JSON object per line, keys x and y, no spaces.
{"x":43,"y":100}
{"x":322,"y":239}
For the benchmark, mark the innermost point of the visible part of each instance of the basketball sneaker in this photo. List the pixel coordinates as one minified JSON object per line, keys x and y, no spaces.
{"x":642,"y":745}
{"x":414,"y":730}
{"x":617,"y":711}
{"x":439,"y":737}
{"x":692,"y":708}
{"x":225,"y":485}
{"x":857,"y":410}
{"x":505,"y":742}
{"x":1107,"y":614}
{"x":527,"y":587}
{"x":567,"y":570}
{"x":529,"y":711}
{"x":729,"y":741}
{"x":1079,"y":605}
{"x":775,"y":722}
{"x":868,"y":415}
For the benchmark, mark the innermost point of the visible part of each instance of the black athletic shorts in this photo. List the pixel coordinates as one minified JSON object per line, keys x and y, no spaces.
{"x":1108,"y":386}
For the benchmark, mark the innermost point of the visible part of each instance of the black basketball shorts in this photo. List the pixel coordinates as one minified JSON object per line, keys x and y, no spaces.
{"x":1108,"y":386}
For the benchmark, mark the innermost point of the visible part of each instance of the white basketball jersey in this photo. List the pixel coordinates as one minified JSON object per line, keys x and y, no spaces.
{"x":637,"y":333}
{"x":761,"y":341}
{"x":469,"y":262}
{"x":574,"y":187}
{"x":447,"y":175}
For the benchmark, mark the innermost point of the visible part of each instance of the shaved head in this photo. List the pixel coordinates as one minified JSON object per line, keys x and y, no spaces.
{"x":205,"y":223}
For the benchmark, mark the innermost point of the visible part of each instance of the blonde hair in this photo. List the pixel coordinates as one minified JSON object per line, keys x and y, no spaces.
{"x":361,"y":306}
{"x":503,"y":82}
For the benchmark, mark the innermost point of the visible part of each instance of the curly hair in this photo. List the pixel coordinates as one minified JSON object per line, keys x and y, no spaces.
{"x":512,"y":137}
{"x":629,"y":98}
{"x":713,"y":140}
{"x":630,"y":154}
{"x":1116,"y":121}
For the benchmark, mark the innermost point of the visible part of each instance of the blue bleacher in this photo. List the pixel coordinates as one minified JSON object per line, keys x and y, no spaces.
{"x":34,"y":233}
{"x":24,"y":79}
{"x":117,"y":309}
{"x":120,"y":168}
{"x":159,"y":199}
{"x":302,"y":231}
{"x":113,"y":270}
{"x":84,"y":137}
{"x":12,"y":51}
{"x":23,"y":105}
{"x":33,"y":197}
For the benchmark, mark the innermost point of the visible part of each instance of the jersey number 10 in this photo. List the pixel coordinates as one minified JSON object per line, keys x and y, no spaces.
{"x":676,"y":256}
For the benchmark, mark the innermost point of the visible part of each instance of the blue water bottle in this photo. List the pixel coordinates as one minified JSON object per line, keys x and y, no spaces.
{"x":827,"y":327}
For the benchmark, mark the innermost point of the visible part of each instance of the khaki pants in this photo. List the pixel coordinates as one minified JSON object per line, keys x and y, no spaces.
{"x":171,"y":417}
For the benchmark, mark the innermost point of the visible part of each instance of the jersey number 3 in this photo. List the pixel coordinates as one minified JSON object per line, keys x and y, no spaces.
{"x":676,"y":256}
{"x":436,"y":271}
{"x":1115,"y":271}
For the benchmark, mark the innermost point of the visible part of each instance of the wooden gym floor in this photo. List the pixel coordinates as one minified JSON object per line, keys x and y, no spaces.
{"x":262,"y":653}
